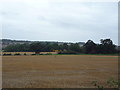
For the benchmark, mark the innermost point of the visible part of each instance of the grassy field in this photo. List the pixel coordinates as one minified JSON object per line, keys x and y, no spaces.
{"x":58,"y":71}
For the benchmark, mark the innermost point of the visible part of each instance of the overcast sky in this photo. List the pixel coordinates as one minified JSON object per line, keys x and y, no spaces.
{"x":60,"y":21}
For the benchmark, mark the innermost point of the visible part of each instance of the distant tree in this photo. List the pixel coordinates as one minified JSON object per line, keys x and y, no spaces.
{"x":65,"y":46}
{"x":17,"y":48}
{"x":10,"y":48}
{"x":75,"y":47}
{"x":90,"y":47}
{"x":48,"y":47}
{"x":55,"y":46}
{"x":37,"y":47}
{"x":107,"y":46}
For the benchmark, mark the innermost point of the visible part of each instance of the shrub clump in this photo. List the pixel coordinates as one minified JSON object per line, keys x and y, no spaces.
{"x":17,"y":54}
{"x":6,"y":54}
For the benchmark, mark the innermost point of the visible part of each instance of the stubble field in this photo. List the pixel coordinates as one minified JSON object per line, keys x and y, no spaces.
{"x":57,"y":71}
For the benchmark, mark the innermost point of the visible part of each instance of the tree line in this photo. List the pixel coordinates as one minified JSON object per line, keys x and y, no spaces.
{"x":106,"y":46}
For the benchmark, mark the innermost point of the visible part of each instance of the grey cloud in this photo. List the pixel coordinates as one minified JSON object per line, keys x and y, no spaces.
{"x":60,"y":21}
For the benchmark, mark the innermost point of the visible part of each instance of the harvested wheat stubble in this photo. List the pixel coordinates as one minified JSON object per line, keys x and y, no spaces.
{"x":58,"y":71}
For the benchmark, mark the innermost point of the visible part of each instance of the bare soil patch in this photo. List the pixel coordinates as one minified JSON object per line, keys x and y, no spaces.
{"x":58,"y":71}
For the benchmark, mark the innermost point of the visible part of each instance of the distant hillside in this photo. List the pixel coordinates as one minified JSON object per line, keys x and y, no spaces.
{"x":7,"y":42}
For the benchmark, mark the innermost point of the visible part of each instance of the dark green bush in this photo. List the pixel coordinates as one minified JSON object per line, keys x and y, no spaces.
{"x":33,"y":54}
{"x":25,"y":54}
{"x":7,"y":54}
{"x":17,"y":54}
